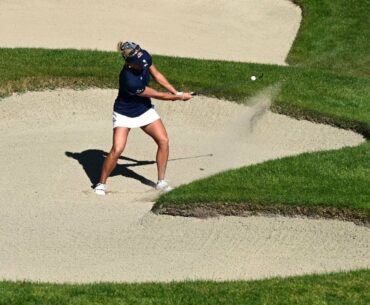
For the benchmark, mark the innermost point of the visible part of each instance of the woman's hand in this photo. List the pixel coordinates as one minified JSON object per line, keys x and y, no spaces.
{"x":185,"y":96}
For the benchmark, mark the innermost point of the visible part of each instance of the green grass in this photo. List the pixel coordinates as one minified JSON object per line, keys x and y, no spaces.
{"x":34,"y":69}
{"x":336,"y":289}
{"x":316,"y":95}
{"x":328,"y":184}
{"x":334,"y":35}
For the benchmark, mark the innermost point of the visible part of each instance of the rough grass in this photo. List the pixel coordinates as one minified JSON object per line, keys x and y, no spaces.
{"x":327,"y":184}
{"x":316,"y":95}
{"x":334,"y":35}
{"x":331,"y":289}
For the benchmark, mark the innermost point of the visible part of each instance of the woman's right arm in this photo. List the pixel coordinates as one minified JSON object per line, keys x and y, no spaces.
{"x":166,"y":96}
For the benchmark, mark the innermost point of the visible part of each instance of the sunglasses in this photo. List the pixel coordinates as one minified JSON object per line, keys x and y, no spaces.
{"x":130,"y":45}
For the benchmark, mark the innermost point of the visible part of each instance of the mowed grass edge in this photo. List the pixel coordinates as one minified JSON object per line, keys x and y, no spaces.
{"x":333,"y":36}
{"x":333,"y":184}
{"x":343,"y":288}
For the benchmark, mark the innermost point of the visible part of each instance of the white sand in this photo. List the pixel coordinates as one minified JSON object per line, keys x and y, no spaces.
{"x":244,"y":30}
{"x":53,"y":228}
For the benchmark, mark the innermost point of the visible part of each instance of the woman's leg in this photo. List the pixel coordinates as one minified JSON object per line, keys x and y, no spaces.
{"x":158,"y":132}
{"x":119,"y":142}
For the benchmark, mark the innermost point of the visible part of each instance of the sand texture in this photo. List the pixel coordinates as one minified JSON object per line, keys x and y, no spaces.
{"x":53,"y":228}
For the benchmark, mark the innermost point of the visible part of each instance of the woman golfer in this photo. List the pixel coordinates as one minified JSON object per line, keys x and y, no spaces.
{"x":133,"y":108}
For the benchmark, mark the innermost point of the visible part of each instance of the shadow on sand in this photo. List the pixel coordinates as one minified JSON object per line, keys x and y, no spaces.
{"x":92,"y":162}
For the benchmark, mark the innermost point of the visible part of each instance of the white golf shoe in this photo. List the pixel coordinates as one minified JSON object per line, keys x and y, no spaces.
{"x":162,"y":185}
{"x":100,"y":189}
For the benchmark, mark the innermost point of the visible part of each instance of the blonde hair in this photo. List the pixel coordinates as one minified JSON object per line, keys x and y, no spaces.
{"x":119,"y":48}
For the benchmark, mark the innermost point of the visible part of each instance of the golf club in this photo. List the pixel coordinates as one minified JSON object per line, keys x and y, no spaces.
{"x":153,"y":162}
{"x":191,"y":157}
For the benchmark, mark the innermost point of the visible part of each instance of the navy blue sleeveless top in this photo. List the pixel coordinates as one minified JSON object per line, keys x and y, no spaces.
{"x":132,"y":83}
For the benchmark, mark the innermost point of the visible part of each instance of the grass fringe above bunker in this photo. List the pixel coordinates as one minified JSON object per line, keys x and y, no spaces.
{"x":342,"y":288}
{"x":329,"y":184}
{"x":319,"y":96}
{"x":333,"y":36}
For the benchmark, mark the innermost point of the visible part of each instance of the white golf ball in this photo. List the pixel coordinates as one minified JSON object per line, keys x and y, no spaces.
{"x":253,"y":78}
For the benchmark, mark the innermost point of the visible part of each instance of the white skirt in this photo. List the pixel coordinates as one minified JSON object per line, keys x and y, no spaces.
{"x":146,"y":118}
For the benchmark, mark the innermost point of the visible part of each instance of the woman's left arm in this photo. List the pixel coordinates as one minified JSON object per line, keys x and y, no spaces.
{"x":161,"y":79}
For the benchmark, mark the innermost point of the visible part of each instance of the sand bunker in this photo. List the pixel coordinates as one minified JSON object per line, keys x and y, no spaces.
{"x":253,"y":30}
{"x":53,"y":228}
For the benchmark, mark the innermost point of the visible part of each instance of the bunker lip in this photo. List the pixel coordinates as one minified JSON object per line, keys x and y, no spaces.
{"x":206,"y":210}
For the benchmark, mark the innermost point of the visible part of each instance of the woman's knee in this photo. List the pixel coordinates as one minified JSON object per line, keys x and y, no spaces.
{"x":116,"y":151}
{"x":163,"y":141}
